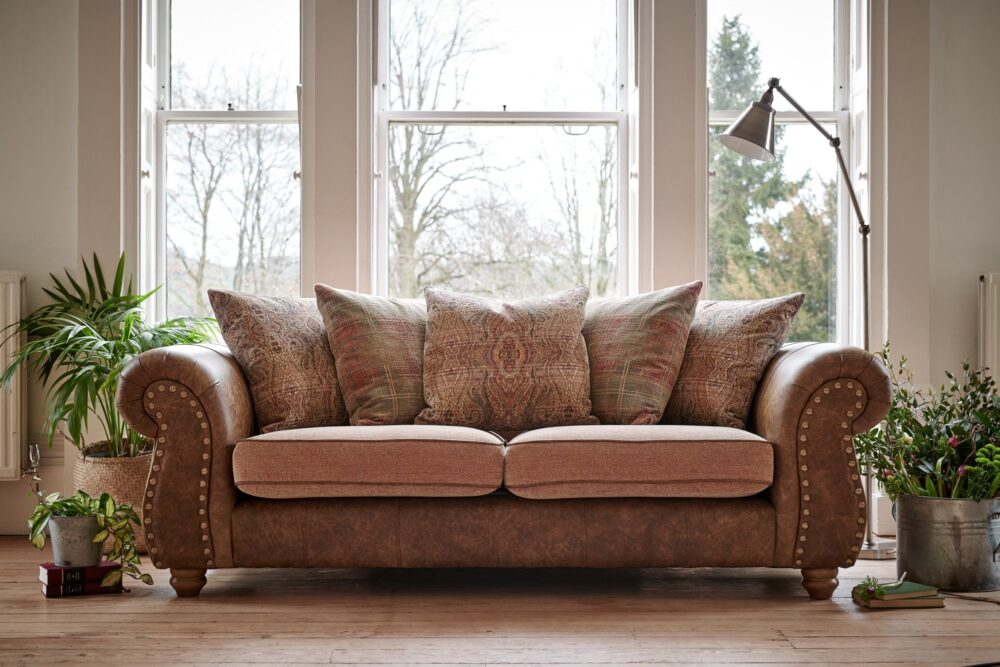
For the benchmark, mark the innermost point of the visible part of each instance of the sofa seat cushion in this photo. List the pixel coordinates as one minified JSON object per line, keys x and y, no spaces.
{"x":349,"y":461}
{"x":658,"y":461}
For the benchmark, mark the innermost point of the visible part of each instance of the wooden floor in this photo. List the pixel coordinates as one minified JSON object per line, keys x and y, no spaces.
{"x":480,"y":617}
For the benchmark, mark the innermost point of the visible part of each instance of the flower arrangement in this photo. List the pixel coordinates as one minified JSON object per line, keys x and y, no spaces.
{"x":936,"y":443}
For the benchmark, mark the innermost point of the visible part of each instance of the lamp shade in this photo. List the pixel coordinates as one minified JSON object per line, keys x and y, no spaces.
{"x":752,"y":134}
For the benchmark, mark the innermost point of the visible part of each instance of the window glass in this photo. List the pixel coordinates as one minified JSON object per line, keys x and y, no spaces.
{"x":773,"y":226}
{"x":239,"y":52}
{"x":502,"y":210}
{"x":232,"y":212}
{"x":520,"y":54}
{"x":751,"y":41}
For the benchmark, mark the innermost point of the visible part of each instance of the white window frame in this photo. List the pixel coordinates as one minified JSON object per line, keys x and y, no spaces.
{"x":164,"y":117}
{"x":840,"y":118}
{"x":384,"y":116}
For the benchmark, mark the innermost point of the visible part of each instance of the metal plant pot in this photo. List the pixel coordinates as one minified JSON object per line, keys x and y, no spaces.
{"x":73,"y":541}
{"x":953,"y":544}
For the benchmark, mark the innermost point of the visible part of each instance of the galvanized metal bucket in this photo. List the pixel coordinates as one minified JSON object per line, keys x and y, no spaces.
{"x":953,"y":544}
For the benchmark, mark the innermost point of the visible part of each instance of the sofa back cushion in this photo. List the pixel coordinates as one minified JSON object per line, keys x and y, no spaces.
{"x":728,"y":349}
{"x":378,"y":346}
{"x":636,"y":347}
{"x":506,"y":366}
{"x":281,"y":345}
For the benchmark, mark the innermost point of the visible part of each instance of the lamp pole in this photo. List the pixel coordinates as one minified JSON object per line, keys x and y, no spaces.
{"x":752,"y":134}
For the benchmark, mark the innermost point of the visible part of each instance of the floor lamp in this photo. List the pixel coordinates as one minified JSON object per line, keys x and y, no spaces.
{"x":752,"y":135}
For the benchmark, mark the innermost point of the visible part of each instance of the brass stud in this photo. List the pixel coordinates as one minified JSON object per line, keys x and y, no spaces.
{"x":149,"y":494}
{"x":204,"y":424}
{"x":156,"y":468}
{"x":204,"y":525}
{"x":817,"y":399}
{"x":850,"y":413}
{"x":847,"y":438}
{"x":843,"y":424}
{"x":857,"y":492}
{"x":204,"y":471}
{"x":837,"y":385}
{"x":805,"y":482}
{"x":850,"y":385}
{"x":163,"y":427}
{"x":199,"y":414}
{"x":802,"y":538}
{"x":152,"y":481}
{"x":805,"y":468}
{"x":807,"y":497}
{"x":850,"y":561}
{"x":192,"y":403}
{"x":802,"y":452}
{"x":210,"y":563}
{"x":201,"y":497}
{"x":204,"y":538}
{"x":159,"y":415}
{"x":154,"y":550}
{"x":158,"y":565}
{"x":806,"y":512}
{"x":798,"y":562}
{"x":159,"y":452}
{"x":805,"y":526}
{"x":184,"y":394}
{"x":150,"y":394}
{"x":161,"y":440}
{"x":201,"y":512}
{"x":809,"y":411}
{"x":803,"y":438}
{"x":173,"y":388}
{"x":855,"y":549}
{"x":826,"y":390}
{"x":852,"y":463}
{"x":854,"y":477}
{"x":848,"y":450}
{"x":149,"y":536}
{"x":202,"y":484}
{"x":861,"y":519}
{"x":161,"y":388}
{"x":859,"y":393}
{"x":148,"y":520}
{"x":149,"y":506}
{"x":204,"y":456}
{"x":861,"y":505}
{"x":207,"y":552}
{"x":800,"y":550}
{"x":152,"y":406}
{"x":859,"y":405}
{"x":206,"y":441}
{"x":805,"y":424}
{"x":859,"y":535}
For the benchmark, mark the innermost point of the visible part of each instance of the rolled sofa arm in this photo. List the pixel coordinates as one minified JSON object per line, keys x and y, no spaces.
{"x":812,"y":400}
{"x":193,"y":401}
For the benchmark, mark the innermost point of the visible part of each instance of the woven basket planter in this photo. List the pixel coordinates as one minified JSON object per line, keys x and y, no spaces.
{"x":124,"y":477}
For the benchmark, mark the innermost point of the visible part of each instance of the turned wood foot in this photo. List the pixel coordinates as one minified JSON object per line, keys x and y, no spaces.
{"x":820,"y":582}
{"x":187,"y":583}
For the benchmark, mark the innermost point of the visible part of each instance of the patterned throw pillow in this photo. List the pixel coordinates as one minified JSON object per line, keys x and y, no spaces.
{"x":281,"y":345}
{"x":636,"y":347}
{"x":378,"y":345}
{"x":506,"y":366}
{"x":730,"y":345}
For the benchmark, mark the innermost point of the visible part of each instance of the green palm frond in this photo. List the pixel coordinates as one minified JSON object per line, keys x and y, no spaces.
{"x":79,"y":344}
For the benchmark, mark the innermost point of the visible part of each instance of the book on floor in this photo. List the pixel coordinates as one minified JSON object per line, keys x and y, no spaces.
{"x":924,"y":602}
{"x":907,"y":589}
{"x":51,"y":574}
{"x":83,"y":588}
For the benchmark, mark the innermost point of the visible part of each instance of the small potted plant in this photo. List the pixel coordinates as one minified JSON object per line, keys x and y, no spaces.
{"x":79,"y":527}
{"x":937,"y":455}
{"x":79,"y":344}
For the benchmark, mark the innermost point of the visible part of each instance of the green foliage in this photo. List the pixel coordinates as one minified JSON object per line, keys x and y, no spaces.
{"x":79,"y":344}
{"x":869,"y":588}
{"x":939,"y":443}
{"x":767,"y":235}
{"x":117,"y":523}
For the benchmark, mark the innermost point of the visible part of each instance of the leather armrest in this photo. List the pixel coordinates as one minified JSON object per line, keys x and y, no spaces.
{"x":193,"y":401}
{"x":811,"y":401}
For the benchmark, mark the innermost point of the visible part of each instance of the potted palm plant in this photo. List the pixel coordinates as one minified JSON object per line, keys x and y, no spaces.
{"x":78,"y":345}
{"x":937,"y":455}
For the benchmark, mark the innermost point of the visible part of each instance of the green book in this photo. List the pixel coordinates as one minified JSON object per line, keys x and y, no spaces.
{"x":906,"y":590}
{"x":924,"y":602}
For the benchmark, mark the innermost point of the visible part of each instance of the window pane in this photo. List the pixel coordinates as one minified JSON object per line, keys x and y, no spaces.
{"x":483,"y":55}
{"x":751,"y":41}
{"x":232,"y":212}
{"x":773,"y":227}
{"x":508,"y":211}
{"x":239,"y":52}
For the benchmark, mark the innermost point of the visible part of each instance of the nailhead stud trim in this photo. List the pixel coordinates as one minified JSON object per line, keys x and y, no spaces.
{"x":843,"y":390}
{"x":199,"y":414}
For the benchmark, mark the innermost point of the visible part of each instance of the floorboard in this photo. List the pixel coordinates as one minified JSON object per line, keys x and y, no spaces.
{"x":483,"y":617}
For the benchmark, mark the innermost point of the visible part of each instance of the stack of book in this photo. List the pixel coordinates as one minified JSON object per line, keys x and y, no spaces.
{"x":59,"y":582}
{"x":907,"y":595}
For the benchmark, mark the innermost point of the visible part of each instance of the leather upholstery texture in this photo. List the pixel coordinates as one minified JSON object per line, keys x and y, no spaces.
{"x":812,"y":399}
{"x":350,"y":461}
{"x":501,"y":530}
{"x":657,"y":461}
{"x":194,"y":402}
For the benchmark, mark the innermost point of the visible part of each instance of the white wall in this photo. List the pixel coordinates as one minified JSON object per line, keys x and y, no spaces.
{"x":964,"y":172}
{"x":38,"y":188}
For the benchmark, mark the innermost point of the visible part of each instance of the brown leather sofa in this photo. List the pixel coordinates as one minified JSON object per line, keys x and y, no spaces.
{"x":785,"y":493}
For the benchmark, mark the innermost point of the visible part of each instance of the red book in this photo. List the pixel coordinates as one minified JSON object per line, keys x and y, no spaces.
{"x":89,"y":588}
{"x":51,"y":574}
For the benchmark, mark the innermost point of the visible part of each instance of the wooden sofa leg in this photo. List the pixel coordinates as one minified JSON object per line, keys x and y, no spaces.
{"x":820,"y":582}
{"x":187,"y":583}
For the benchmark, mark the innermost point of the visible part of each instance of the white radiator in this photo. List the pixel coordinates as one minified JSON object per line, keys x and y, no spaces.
{"x":13,"y":401}
{"x":989,"y":322}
